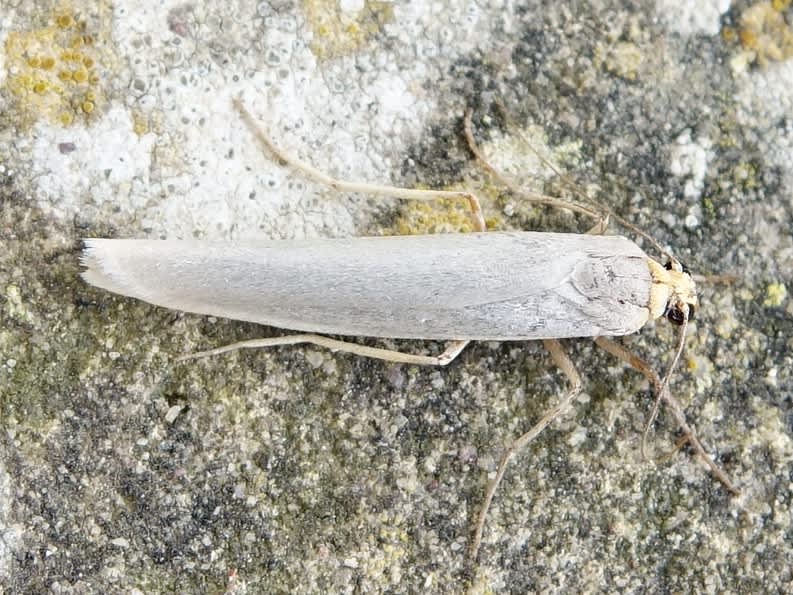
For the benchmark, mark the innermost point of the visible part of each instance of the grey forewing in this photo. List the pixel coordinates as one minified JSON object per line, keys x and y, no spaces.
{"x":497,"y":285}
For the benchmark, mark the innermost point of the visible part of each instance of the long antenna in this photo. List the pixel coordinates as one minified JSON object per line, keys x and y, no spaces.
{"x":665,"y":382}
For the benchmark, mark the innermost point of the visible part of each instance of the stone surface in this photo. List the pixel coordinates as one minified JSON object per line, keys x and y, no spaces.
{"x":304,"y":470}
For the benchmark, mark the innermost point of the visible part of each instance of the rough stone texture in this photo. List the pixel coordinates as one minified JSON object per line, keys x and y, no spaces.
{"x":303,"y":470}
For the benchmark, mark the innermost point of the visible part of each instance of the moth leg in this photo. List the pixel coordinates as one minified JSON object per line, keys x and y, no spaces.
{"x":452,"y":350}
{"x":584,"y":205}
{"x":543,"y":199}
{"x":644,"y":368}
{"x":599,"y":228}
{"x":566,"y":365}
{"x":312,"y":173}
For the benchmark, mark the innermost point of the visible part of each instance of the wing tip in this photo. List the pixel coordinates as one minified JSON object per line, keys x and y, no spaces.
{"x":99,"y":257}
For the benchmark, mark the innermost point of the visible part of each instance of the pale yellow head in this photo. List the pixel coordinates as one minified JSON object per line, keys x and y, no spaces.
{"x":673,"y":293}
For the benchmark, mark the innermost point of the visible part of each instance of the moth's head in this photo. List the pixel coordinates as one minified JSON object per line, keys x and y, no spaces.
{"x":683,"y":299}
{"x":674,"y":293}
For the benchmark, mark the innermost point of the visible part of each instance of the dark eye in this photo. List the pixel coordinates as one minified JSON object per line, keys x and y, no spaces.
{"x":675,"y":316}
{"x":668,"y":266}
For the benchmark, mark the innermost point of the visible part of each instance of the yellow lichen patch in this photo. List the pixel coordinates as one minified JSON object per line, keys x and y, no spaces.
{"x":624,"y":59}
{"x":763,"y":33}
{"x":15,"y":305}
{"x":439,"y":216}
{"x":338,"y":32}
{"x":140,"y":123}
{"x":80,"y":75}
{"x":64,"y":21}
{"x":446,"y":216}
{"x":729,"y":34}
{"x":775,"y":295}
{"x":52,"y":72}
{"x":744,"y":175}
